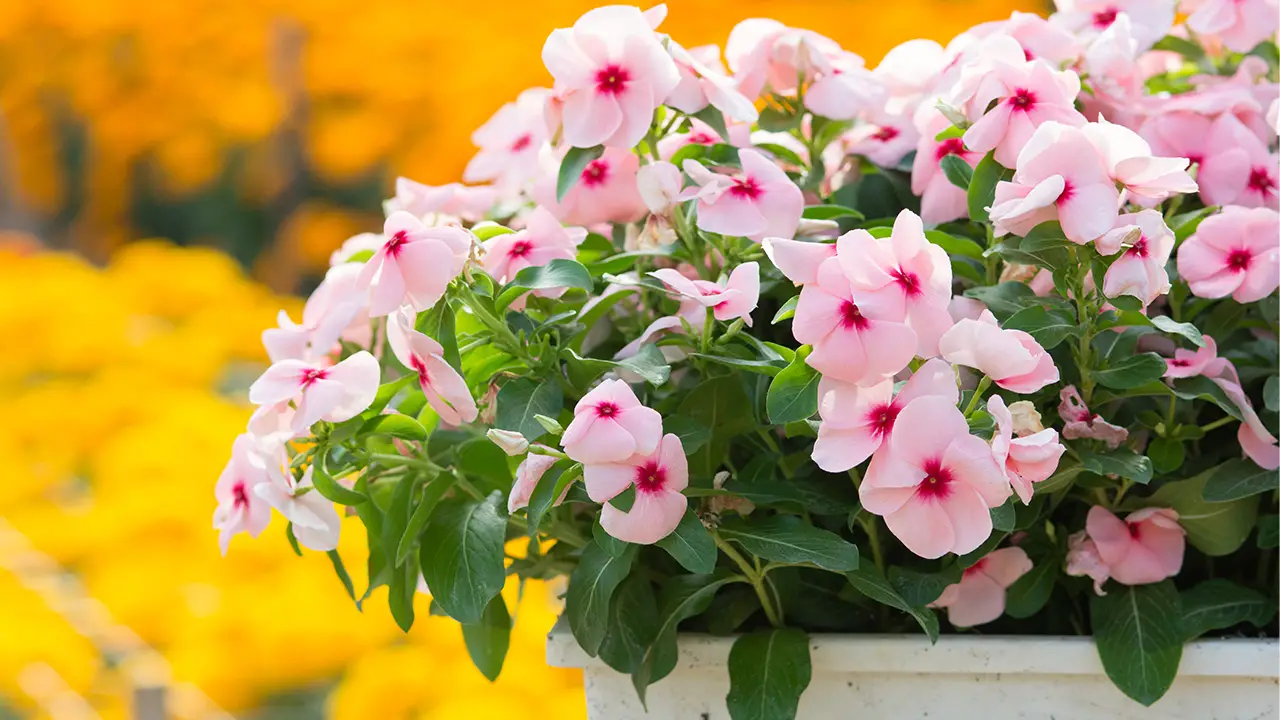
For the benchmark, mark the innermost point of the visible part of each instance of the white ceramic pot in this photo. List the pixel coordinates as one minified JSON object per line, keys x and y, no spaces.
{"x":961,"y":678}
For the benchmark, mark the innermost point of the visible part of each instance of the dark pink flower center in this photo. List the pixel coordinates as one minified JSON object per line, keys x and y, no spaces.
{"x":1239,"y":260}
{"x":522,"y":143}
{"x":1260,"y":181}
{"x":1135,"y":529}
{"x":1180,"y":362}
{"x":520,"y":248}
{"x":240,"y":496}
{"x":701,"y":138}
{"x":975,"y":568}
{"x":885,"y":134}
{"x":310,"y":375}
{"x":650,"y":477}
{"x":1022,"y":99}
{"x":612,"y":80}
{"x":881,"y":419}
{"x":595,"y":173}
{"x":1103,"y":18}
{"x":937,"y":481}
{"x":1195,"y":159}
{"x":1028,"y":54}
{"x":851,"y":317}
{"x":950,"y":146}
{"x":396,"y":243}
{"x":909,"y":281}
{"x":420,"y":367}
{"x":607,"y":410}
{"x":1068,"y":190}
{"x":1139,"y":248}
{"x":746,"y":188}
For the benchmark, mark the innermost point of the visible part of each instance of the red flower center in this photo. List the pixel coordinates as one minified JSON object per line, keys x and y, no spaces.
{"x":746,"y":188}
{"x":1022,"y":99}
{"x":1068,"y":190}
{"x":310,"y":375}
{"x":520,"y":248}
{"x":650,"y":477}
{"x":1260,"y":181}
{"x":885,"y":134}
{"x":1139,"y":248}
{"x":701,"y":138}
{"x":1028,"y":55}
{"x":595,"y":173}
{"x":607,"y":410}
{"x":1195,"y":159}
{"x":522,"y":143}
{"x":937,"y":481}
{"x":1180,"y":362}
{"x":240,"y":496}
{"x":396,"y":243}
{"x":975,"y":568}
{"x":851,"y":317}
{"x":420,"y":367}
{"x":1103,"y":18}
{"x":950,"y":146}
{"x":1135,"y":529}
{"x":1239,"y":260}
{"x":612,"y":80}
{"x":881,"y":419}
{"x":909,"y":281}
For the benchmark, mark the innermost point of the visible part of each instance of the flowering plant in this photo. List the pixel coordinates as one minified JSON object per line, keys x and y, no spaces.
{"x":797,"y":345}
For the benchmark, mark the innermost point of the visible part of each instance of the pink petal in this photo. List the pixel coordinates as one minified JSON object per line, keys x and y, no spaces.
{"x":654,"y":516}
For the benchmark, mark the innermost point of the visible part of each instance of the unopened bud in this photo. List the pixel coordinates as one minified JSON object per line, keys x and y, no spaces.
{"x":509,"y":441}
{"x":549,"y":424}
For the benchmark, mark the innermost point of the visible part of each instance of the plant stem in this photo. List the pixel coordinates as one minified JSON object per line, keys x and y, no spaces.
{"x":707,"y":326}
{"x":983,"y":384}
{"x":869,"y":523}
{"x":756,"y":578}
{"x":1217,"y":423}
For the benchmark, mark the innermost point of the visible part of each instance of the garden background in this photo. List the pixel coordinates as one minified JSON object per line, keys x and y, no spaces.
{"x":171,"y":173}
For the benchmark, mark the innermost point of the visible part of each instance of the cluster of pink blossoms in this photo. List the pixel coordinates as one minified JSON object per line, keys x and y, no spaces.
{"x":1061,"y":103}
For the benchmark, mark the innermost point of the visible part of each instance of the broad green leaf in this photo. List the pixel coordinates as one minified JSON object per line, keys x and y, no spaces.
{"x":480,"y":459}
{"x":591,"y":587}
{"x":1182,"y":46}
{"x":720,"y":404}
{"x":1167,"y":454}
{"x":1029,"y":593}
{"x":632,"y":623}
{"x":403,"y":588}
{"x":488,"y":230}
{"x":1218,"y":604}
{"x":957,"y":171}
{"x":1004,"y":299}
{"x":1004,"y":517}
{"x":1239,"y":478}
{"x":793,"y":394}
{"x":713,"y":117}
{"x":572,"y":166}
{"x":1185,"y":224}
{"x":521,"y":399}
{"x":682,"y":597}
{"x":982,"y":187}
{"x":340,"y":569}
{"x":784,"y":154}
{"x":435,"y":490}
{"x":1268,"y":531}
{"x":788,"y":539}
{"x":768,"y":671}
{"x":868,"y":581}
{"x":649,"y":364}
{"x":1138,"y":632}
{"x":440,"y":323}
{"x":462,"y":557}
{"x":775,"y":120}
{"x":1215,"y":529}
{"x":1121,"y":461}
{"x":762,"y":367}
{"x":1186,"y":330}
{"x":395,"y":520}
{"x":921,"y":588}
{"x":1131,"y":372}
{"x":1202,"y":388}
{"x":610,"y":544}
{"x":787,"y":311}
{"x":816,"y":495}
{"x":559,"y":273}
{"x":1271,"y":393}
{"x":691,"y":545}
{"x":830,"y":212}
{"x":1049,"y":326}
{"x":1045,"y":236}
{"x":487,"y":641}
{"x":693,"y":434}
{"x":551,"y":487}
{"x":401,"y":426}
{"x":387,"y":391}
{"x":329,"y":488}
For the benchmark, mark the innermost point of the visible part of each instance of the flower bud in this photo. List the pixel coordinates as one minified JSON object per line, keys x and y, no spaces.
{"x":510,"y":441}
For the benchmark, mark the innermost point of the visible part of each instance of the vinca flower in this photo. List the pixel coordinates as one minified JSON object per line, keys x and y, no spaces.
{"x":980,"y":595}
{"x":610,"y":425}
{"x":657,"y":477}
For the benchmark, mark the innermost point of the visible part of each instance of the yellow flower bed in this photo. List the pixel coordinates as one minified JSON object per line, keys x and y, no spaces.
{"x":116,"y":424}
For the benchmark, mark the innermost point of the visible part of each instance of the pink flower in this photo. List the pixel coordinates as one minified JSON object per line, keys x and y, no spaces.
{"x":857,"y":420}
{"x":1039,"y":38}
{"x":1011,"y":358}
{"x":1026,"y":460}
{"x":760,"y":201}
{"x":699,"y":133}
{"x":979,"y":596}
{"x":334,"y":393}
{"x":605,"y":193}
{"x":857,"y":339}
{"x":935,"y":485}
{"x":1146,"y":547}
{"x":765,"y":54}
{"x":440,"y":204}
{"x":1237,"y":168}
{"x":940,"y":200}
{"x":703,"y":82}
{"x":510,"y":142}
{"x":529,"y":472}
{"x":1256,"y":442}
{"x":239,"y":507}
{"x":659,"y":184}
{"x":1151,"y":19}
{"x":542,"y":240}
{"x":1233,"y":253}
{"x":1139,"y":271}
{"x":446,"y":391}
{"x":1026,"y":95}
{"x":1130,"y":163}
{"x":1079,"y":423}
{"x":844,"y":87}
{"x":1178,"y":133}
{"x":885,"y":140}
{"x":1201,"y":361}
{"x":316,"y":524}
{"x":798,"y":260}
{"x":610,"y":425}
{"x":611,"y":72}
{"x":414,"y":265}
{"x":735,"y":299}
{"x":272,"y":425}
{"x":658,"y":477}
{"x":1083,"y":560}
{"x":906,"y":274}
{"x":908,"y":72}
{"x":1238,"y":24}
{"x":335,"y":310}
{"x":1060,"y":176}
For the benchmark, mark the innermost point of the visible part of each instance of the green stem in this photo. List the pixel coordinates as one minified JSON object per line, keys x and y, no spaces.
{"x":869,"y":523}
{"x":983,"y":384}
{"x":756,"y":578}
{"x":706,"y":331}
{"x":1217,"y":423}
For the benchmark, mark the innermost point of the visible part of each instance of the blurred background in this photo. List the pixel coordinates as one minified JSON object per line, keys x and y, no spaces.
{"x":172,"y":172}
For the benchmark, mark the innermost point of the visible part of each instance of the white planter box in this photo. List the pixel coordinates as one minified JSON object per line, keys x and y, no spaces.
{"x":982,"y":678}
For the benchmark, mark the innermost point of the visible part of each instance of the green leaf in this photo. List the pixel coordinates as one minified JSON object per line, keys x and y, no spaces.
{"x":868,"y":581}
{"x":1004,"y":299}
{"x":921,"y":588}
{"x":387,"y":391}
{"x":783,"y":154}
{"x":401,"y":592}
{"x":775,"y":120}
{"x":830,"y":212}
{"x":713,"y":117}
{"x":1186,"y":330}
{"x":462,"y":557}
{"x":1131,"y":372}
{"x":768,"y":671}
{"x":435,"y":491}
{"x":591,"y":587}
{"x":815,"y":495}
{"x":1121,"y":461}
{"x":632,"y":623}
{"x":787,"y":311}
{"x":329,"y":488}
{"x":1215,"y":529}
{"x":341,"y":570}
{"x":793,"y":394}
{"x":1219,"y":604}
{"x":982,"y":187}
{"x":718,"y":154}
{"x":683,"y":597}
{"x":957,"y":171}
{"x":693,"y":434}
{"x":720,"y":404}
{"x":1268,"y":531}
{"x":521,"y":399}
{"x":571,"y":168}
{"x":1167,"y":454}
{"x":487,"y":641}
{"x":761,"y":367}
{"x":559,"y":273}
{"x":1182,"y":46}
{"x":1029,"y":593}
{"x":788,"y":539}
{"x":1202,"y":388}
{"x":401,"y":426}
{"x":1138,"y":632}
{"x":954,"y":245}
{"x":1185,"y":224}
{"x":1004,"y":517}
{"x":691,"y":545}
{"x":1049,"y":326}
{"x":440,"y":324}
{"x":1239,"y":478}
{"x":550,"y":487}
{"x":1271,"y":393}
{"x":607,"y":542}
{"x":489,"y":230}
{"x":649,"y":364}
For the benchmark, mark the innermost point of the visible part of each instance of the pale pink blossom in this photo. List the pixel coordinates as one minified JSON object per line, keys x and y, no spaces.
{"x":1114,"y":64}
{"x":856,"y":339}
{"x":611,"y":73}
{"x":1083,"y":560}
{"x":1039,"y":38}
{"x":444,"y":387}
{"x":510,"y":142}
{"x":760,"y":201}
{"x":884,"y":140}
{"x":1256,"y":441}
{"x":239,"y":507}
{"x":316,"y":524}
{"x":844,"y":88}
{"x":1238,"y":24}
{"x":767,"y":55}
{"x":691,"y":312}
{"x":414,"y":265}
{"x":606,"y":192}
{"x":1130,"y":163}
{"x":1234,"y":253}
{"x":356,"y":249}
{"x":905,"y":274}
{"x":610,"y":425}
{"x":935,"y":485}
{"x":540,"y":241}
{"x":1152,"y":19}
{"x":1201,"y":361}
{"x":699,"y":133}
{"x":1080,"y":423}
{"x":857,"y":420}
{"x":442,"y":204}
{"x":736,"y":298}
{"x":528,"y":473}
{"x":940,"y":200}
{"x":1026,"y":95}
{"x":1139,"y":270}
{"x":272,"y":425}
{"x":335,"y":310}
{"x":658,"y":477}
{"x":1237,"y":168}
{"x":1026,"y":460}
{"x":1146,"y":547}
{"x":1011,"y":358}
{"x":962,"y":308}
{"x":704,"y":81}
{"x":798,"y":260}
{"x":659,"y":184}
{"x":979,"y":596}
{"x":319,"y":392}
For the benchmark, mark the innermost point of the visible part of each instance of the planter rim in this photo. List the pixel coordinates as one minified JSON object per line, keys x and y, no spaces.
{"x":958,"y":655}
